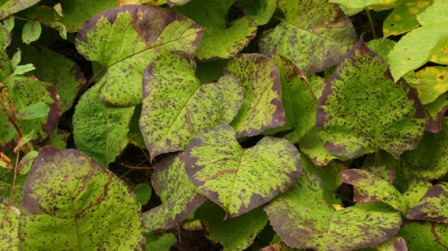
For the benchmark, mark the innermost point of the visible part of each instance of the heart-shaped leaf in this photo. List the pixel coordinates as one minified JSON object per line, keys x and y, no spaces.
{"x":126,"y":39}
{"x":432,"y":206}
{"x":85,"y":204}
{"x":262,"y":106}
{"x":313,"y":35}
{"x":303,"y":219}
{"x":240,"y":179}
{"x":176,"y":105}
{"x":179,"y":196}
{"x":362,"y":110}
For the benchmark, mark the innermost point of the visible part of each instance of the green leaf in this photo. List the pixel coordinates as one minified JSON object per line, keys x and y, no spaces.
{"x":179,"y":196}
{"x":417,"y":189}
{"x":72,"y":203}
{"x":9,"y":23}
{"x":34,"y":111}
{"x":394,"y":244}
{"x":404,"y":17}
{"x":233,"y":234}
{"x":351,"y":7}
{"x":163,"y":243}
{"x":425,"y":235}
{"x":362,"y":110}
{"x":106,"y":39}
{"x":262,"y":108}
{"x":432,"y":206}
{"x":100,"y":131}
{"x":371,"y":188}
{"x":240,"y":179}
{"x":9,"y":7}
{"x":303,"y":219}
{"x":143,"y":193}
{"x":260,"y":10}
{"x":9,"y":226}
{"x":433,"y":83}
{"x":26,"y":162}
{"x":436,"y":110}
{"x":436,"y":14}
{"x":176,"y":105}
{"x":314,"y":34}
{"x":31,"y":32}
{"x":221,"y":39}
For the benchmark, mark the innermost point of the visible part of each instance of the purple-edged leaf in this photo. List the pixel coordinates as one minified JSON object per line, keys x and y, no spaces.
{"x":8,"y":7}
{"x":70,"y":202}
{"x":416,"y":190}
{"x":394,"y":244}
{"x":425,"y":235}
{"x":176,"y":105}
{"x":262,"y":106}
{"x":126,"y":39}
{"x":362,"y":110}
{"x":314,"y":34}
{"x":240,"y":179}
{"x":303,"y":219}
{"x":435,"y":111}
{"x":433,"y":205}
{"x":179,"y":196}
{"x":371,"y":188}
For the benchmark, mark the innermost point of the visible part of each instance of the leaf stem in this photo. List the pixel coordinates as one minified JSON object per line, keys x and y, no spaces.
{"x":372,"y":26}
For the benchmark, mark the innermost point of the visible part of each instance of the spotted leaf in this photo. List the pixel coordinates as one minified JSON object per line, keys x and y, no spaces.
{"x":432,"y":206}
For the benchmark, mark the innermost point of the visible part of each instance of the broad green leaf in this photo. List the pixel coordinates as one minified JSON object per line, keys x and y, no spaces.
{"x":9,"y":226}
{"x":404,"y":17}
{"x":425,"y":235}
{"x":179,"y":196}
{"x":394,"y":244}
{"x":435,"y":111}
{"x":362,"y":110}
{"x":233,"y":234}
{"x":76,"y":12}
{"x":436,"y":14}
{"x":9,"y":23}
{"x":433,"y":83}
{"x":71,"y":202}
{"x":440,"y":56}
{"x":352,"y":7}
{"x":303,"y":219}
{"x":34,"y":111}
{"x":143,"y":193}
{"x":417,"y":189}
{"x":31,"y":32}
{"x":176,"y":105}
{"x":123,"y":41}
{"x":262,"y":108}
{"x":429,"y":160}
{"x":260,"y":10}
{"x":371,"y":188}
{"x":432,"y":206}
{"x":313,"y":35}
{"x":222,"y":38}
{"x":238,"y":179}
{"x":162,"y":243}
{"x":100,"y":131}
{"x":8,"y":7}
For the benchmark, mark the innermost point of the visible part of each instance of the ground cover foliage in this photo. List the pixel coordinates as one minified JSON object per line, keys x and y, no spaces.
{"x":224,"y":124}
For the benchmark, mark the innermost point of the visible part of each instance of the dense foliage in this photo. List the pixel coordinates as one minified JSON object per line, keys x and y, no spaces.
{"x":260,"y":124}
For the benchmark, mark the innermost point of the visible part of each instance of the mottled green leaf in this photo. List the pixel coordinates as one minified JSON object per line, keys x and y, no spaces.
{"x":222,"y":38}
{"x":425,"y":235}
{"x":143,"y":192}
{"x":362,"y":110}
{"x":436,"y":14}
{"x":7,"y":178}
{"x":435,"y":111}
{"x":179,"y":196}
{"x":371,"y":188}
{"x":31,"y":32}
{"x":394,"y":244}
{"x":417,"y":189}
{"x":9,"y":226}
{"x":434,"y":82}
{"x":240,"y":179}
{"x":432,"y":206}
{"x":440,"y":55}
{"x":404,"y":17}
{"x":8,"y":7}
{"x":126,"y":39}
{"x":314,"y":34}
{"x":262,"y":107}
{"x":100,"y":131}
{"x":303,"y":219}
{"x":71,"y":202}
{"x":176,"y":105}
{"x":233,"y":234}
{"x":260,"y":10}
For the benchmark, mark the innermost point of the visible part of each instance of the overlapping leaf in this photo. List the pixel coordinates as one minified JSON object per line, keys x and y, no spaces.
{"x":314,"y":34}
{"x":176,"y":105}
{"x":425,"y":235}
{"x":262,"y":106}
{"x":362,"y":110}
{"x":9,"y":226}
{"x":9,"y":7}
{"x":260,"y":10}
{"x":240,"y":179}
{"x":70,"y":202}
{"x":433,"y":83}
{"x":435,"y":111}
{"x":100,"y":131}
{"x":179,"y":196}
{"x":432,"y":206}
{"x":221,"y":39}
{"x":126,"y":39}
{"x":352,"y":7}
{"x":404,"y":17}
{"x":303,"y":219}
{"x":416,"y":190}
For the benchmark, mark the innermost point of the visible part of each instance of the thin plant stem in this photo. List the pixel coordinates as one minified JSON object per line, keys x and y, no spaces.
{"x":372,"y":26}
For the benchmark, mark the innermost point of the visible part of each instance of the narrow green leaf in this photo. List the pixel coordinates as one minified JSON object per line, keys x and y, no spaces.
{"x":425,"y":235}
{"x":314,"y":34}
{"x":9,"y":226}
{"x":126,"y":39}
{"x":31,"y":32}
{"x":362,"y":110}
{"x":432,"y":206}
{"x":240,"y":179}
{"x":100,"y":131}
{"x":72,"y":203}
{"x":26,"y":162}
{"x":34,"y":111}
{"x":262,"y":108}
{"x":179,"y":196}
{"x":176,"y":105}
